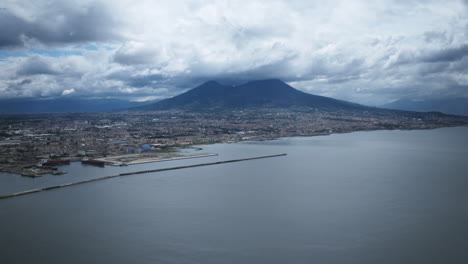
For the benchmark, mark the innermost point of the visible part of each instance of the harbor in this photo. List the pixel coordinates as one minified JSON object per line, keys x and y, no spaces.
{"x":31,"y":171}
{"x":132,"y":159}
{"x":134,"y":173}
{"x":50,"y":166}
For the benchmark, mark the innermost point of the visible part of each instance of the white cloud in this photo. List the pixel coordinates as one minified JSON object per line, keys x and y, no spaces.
{"x":146,"y":98}
{"x":68,"y":91}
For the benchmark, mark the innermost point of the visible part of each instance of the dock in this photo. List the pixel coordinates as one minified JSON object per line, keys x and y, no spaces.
{"x":134,"y":173}
{"x":131,"y":159}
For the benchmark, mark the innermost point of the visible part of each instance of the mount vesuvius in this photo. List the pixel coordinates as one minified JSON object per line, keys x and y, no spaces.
{"x":271,"y":93}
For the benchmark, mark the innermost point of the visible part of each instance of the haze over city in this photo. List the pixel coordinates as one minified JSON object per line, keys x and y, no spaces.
{"x":368,"y":52}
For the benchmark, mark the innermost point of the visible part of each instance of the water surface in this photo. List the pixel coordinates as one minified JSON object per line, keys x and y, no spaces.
{"x":365,"y":197}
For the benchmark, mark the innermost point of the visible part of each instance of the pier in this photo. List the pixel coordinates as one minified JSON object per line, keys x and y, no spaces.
{"x":135,"y":159}
{"x":133,"y":173}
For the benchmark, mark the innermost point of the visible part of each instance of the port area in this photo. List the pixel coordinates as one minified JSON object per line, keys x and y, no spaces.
{"x":131,"y":159}
{"x":33,"y":170}
{"x":30,"y":170}
{"x":136,"y":172}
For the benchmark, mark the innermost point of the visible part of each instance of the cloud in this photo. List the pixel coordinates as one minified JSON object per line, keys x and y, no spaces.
{"x":368,"y":52}
{"x":55,"y":22}
{"x":25,"y":81}
{"x":35,"y":65}
{"x":434,"y":36}
{"x":450,"y":54}
{"x":135,"y":53}
{"x":68,"y":91}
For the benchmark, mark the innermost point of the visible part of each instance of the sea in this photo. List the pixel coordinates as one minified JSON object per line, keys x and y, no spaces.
{"x":361,"y":197}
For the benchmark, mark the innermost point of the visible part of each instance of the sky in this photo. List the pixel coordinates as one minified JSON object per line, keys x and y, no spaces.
{"x":369,"y":52}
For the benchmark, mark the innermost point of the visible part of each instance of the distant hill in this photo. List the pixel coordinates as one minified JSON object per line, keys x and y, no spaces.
{"x":255,"y":94}
{"x":455,"y":106}
{"x":63,"y":105}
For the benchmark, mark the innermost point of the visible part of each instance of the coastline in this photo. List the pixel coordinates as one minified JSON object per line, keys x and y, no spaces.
{"x":329,"y":134}
{"x":30,"y":170}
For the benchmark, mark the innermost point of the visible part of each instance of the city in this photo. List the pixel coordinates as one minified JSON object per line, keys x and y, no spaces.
{"x":27,"y":140}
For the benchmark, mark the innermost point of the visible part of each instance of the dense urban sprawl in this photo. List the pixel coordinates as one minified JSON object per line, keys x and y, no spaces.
{"x":27,"y":139}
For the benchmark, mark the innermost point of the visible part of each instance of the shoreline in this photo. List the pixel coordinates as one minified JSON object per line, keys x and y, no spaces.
{"x":330,"y":134}
{"x":38,"y":172}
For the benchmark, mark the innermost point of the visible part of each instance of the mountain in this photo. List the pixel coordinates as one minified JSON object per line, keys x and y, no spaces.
{"x":455,"y":106}
{"x":271,"y":93}
{"x":63,"y":105}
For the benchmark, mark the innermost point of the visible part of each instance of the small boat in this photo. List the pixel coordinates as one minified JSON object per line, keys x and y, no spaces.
{"x":99,"y":163}
{"x":56,"y":162}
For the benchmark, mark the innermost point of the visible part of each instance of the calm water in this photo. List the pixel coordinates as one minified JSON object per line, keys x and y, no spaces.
{"x":366,"y":197}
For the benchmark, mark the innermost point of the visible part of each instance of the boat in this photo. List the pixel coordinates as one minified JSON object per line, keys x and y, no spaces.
{"x":99,"y":163}
{"x":56,"y":162}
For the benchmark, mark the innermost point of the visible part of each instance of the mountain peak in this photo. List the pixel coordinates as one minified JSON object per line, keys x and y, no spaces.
{"x":270,"y":93}
{"x":207,"y":88}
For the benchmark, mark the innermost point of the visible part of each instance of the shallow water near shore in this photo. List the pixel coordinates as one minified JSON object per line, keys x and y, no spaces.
{"x":363,"y":197}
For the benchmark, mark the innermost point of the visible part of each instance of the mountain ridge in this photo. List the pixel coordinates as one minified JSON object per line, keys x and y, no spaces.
{"x":269,"y":93}
{"x":453,"y":106}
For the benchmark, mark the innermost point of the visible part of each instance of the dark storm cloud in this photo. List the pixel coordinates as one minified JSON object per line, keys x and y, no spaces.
{"x":59,"y":24}
{"x":447,"y":55}
{"x":35,"y":66}
{"x":25,"y":81}
{"x":10,"y":35}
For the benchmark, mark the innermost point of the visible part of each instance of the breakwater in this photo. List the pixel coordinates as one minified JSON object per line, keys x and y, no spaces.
{"x":133,"y":173}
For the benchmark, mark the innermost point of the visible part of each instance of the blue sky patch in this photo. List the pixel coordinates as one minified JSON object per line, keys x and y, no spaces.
{"x":56,"y":53}
{"x":8,"y":54}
